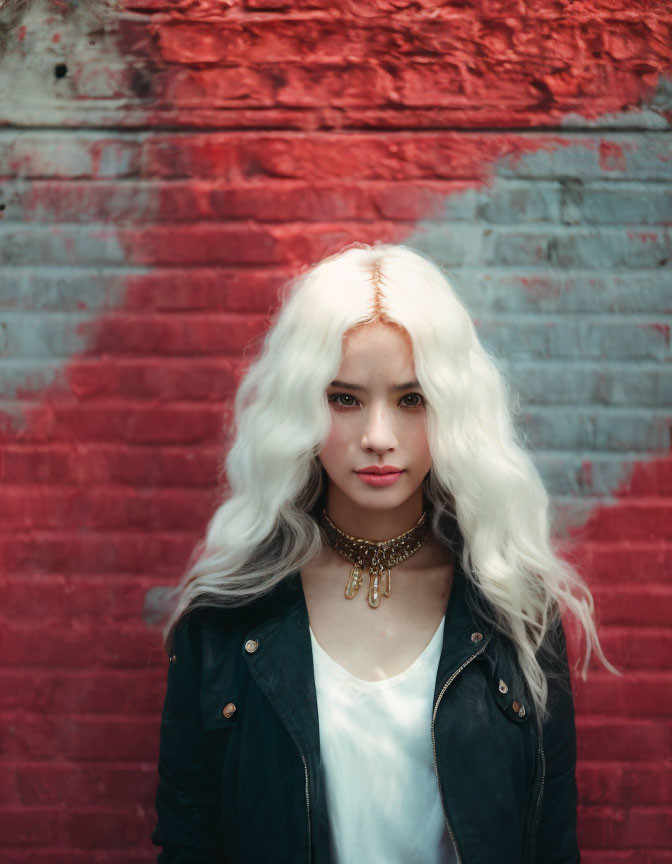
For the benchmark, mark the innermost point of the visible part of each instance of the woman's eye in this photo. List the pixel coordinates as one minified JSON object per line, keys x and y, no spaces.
{"x":336,"y":396}
{"x":417,"y":400}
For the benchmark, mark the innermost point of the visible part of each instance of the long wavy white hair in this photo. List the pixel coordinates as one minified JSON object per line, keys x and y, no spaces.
{"x":481,"y":477}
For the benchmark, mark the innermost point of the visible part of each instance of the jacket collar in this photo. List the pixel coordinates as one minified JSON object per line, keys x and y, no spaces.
{"x":282,"y":664}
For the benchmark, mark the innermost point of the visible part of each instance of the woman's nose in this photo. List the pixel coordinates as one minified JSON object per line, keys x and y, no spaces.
{"x":378,"y":430}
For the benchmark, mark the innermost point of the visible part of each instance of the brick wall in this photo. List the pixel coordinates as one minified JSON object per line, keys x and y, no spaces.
{"x":164,"y":166}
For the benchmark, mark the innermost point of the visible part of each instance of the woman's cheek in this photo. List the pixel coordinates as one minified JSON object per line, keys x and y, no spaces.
{"x":335,"y":447}
{"x":420,"y":446}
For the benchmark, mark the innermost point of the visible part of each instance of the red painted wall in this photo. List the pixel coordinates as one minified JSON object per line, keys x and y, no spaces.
{"x":163,"y":168}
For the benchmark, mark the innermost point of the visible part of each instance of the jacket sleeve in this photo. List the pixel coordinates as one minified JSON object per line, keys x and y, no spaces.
{"x":186,"y":797}
{"x":557,"y":841}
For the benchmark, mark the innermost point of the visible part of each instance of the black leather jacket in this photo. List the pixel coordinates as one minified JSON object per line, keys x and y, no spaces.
{"x":239,"y":762}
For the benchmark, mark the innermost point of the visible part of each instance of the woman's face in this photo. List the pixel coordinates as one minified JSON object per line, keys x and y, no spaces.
{"x":377,"y":420}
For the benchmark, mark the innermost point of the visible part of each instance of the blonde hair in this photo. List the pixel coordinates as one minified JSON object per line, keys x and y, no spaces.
{"x":481,"y":477}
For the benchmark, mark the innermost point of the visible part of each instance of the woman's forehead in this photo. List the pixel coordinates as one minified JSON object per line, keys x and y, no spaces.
{"x":379,"y":329}
{"x":385,"y":352}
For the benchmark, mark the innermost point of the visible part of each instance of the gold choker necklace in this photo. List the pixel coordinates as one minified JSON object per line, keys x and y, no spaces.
{"x":377,"y":556}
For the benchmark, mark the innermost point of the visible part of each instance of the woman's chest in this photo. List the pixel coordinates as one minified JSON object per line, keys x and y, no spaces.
{"x":375,"y":644}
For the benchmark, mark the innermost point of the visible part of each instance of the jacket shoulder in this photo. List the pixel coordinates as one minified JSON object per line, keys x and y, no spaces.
{"x":206,"y":634}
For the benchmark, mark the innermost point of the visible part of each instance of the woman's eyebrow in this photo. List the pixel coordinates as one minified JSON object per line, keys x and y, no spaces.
{"x":407,"y":386}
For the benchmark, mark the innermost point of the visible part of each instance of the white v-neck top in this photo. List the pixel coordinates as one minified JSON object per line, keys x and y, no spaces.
{"x":378,"y":762}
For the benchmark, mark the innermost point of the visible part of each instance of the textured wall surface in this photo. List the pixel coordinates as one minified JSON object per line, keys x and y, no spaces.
{"x":164,"y":166}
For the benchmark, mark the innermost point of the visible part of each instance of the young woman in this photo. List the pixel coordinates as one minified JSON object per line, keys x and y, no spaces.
{"x":367,"y":660}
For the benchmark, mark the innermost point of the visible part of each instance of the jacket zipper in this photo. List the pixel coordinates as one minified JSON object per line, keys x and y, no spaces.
{"x":541,"y":791}
{"x":436,"y":766}
{"x":305,"y":769}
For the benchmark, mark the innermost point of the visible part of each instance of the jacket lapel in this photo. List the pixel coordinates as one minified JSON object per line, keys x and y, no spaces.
{"x":282,"y":665}
{"x":461,"y":628}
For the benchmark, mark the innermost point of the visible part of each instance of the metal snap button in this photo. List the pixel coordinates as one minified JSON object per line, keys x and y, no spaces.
{"x":521,"y":713}
{"x":251,"y":645}
{"x":476,"y":637}
{"x":503,"y":687}
{"x":173,"y":659}
{"x":516,"y":707}
{"x":228,"y":709}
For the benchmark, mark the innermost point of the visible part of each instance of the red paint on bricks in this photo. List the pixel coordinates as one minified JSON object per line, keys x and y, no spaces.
{"x":634,"y":610}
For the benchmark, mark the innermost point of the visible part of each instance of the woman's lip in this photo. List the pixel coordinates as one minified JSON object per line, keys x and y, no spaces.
{"x":379,"y":479}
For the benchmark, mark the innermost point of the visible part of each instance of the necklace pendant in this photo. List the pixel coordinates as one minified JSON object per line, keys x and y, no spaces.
{"x":354,"y":582}
{"x":388,"y":583}
{"x":374,"y":596}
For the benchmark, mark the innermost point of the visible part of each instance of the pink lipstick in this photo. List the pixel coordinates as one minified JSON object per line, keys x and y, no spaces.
{"x":385,"y":475}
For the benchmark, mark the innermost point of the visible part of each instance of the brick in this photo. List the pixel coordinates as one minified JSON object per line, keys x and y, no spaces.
{"x":104,"y":81}
{"x":647,"y":784}
{"x":106,"y":508}
{"x":544,"y":290}
{"x":83,"y":643}
{"x":623,"y":429}
{"x":165,"y":467}
{"x":643,"y":520}
{"x":636,"y":694}
{"x":80,"y":739}
{"x":46,"y":465}
{"x":218,"y":87}
{"x":84,"y":827}
{"x":512,"y":201}
{"x":119,"y":599}
{"x":637,"y":648}
{"x":629,"y":561}
{"x":133,"y":692}
{"x":81,"y":784}
{"x":605,"y":856}
{"x":59,"y":246}
{"x":157,"y":425}
{"x":62,"y":154}
{"x":640,"y":157}
{"x":138,"y":552}
{"x":624,"y":605}
{"x":228,"y":288}
{"x":641,"y":827}
{"x":594,"y":428}
{"x":599,"y":783}
{"x":652,"y":477}
{"x":568,"y":339}
{"x":594,"y":827}
{"x":609,"y":739}
{"x":606,"y":204}
{"x":72,"y":856}
{"x":552,"y":382}
{"x":606,"y":783}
